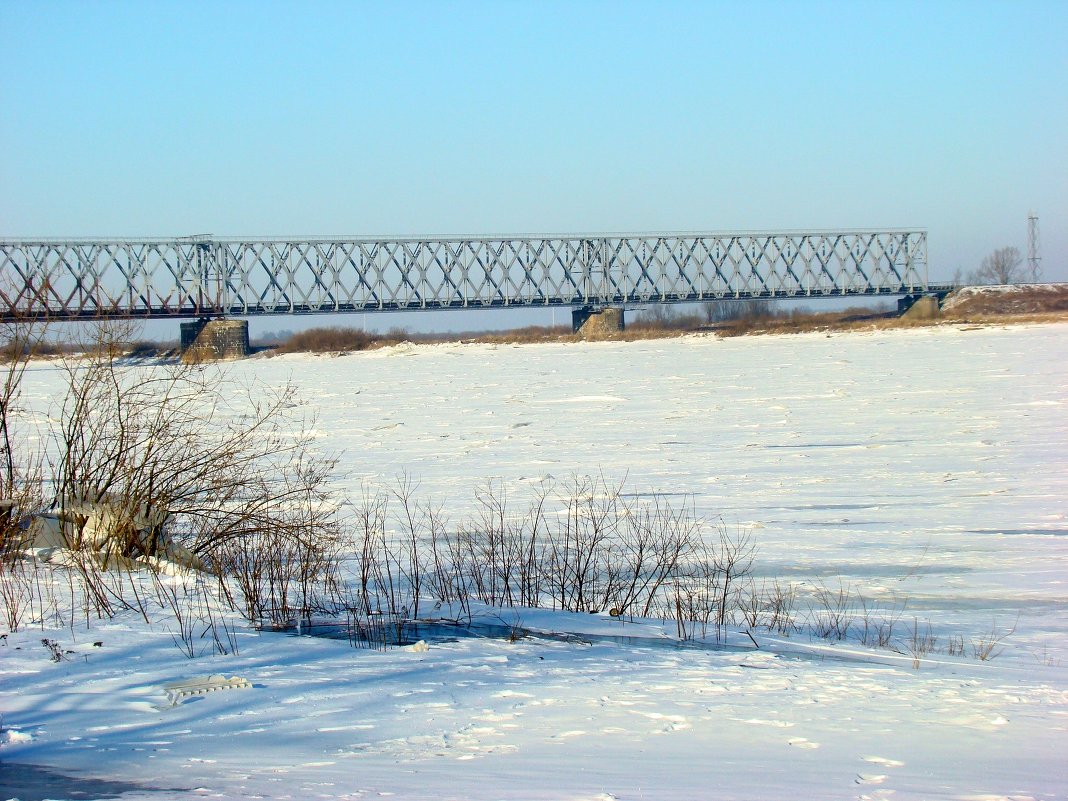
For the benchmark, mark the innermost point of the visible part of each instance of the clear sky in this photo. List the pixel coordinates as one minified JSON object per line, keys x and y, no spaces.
{"x":262,"y":118}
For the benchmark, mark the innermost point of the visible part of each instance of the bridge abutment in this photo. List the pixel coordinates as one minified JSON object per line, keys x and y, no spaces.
{"x":214,"y":339}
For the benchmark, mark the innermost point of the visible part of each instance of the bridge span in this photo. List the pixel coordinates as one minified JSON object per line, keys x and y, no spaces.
{"x":206,"y":277}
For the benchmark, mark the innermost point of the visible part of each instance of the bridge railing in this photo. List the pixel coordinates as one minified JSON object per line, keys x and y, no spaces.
{"x":201,"y":277}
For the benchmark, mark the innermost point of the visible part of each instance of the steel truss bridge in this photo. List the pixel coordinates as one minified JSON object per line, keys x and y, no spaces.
{"x":205,"y":277}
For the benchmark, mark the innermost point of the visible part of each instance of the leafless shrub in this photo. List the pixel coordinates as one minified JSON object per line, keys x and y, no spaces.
{"x":366,"y":536}
{"x":751,"y":603}
{"x":721,"y":311}
{"x":376,"y":631}
{"x":733,"y":560}
{"x":577,"y":544}
{"x":955,"y":645}
{"x":20,"y":469}
{"x":583,"y":546}
{"x":416,"y":522}
{"x":695,"y":597}
{"x":192,"y":605}
{"x":875,"y":627}
{"x":16,"y":591}
{"x":326,"y":340}
{"x":780,"y":601}
{"x":769,"y":606}
{"x":989,"y":645}
{"x":833,"y":611}
{"x":920,"y":642}
{"x":665,"y":317}
{"x":286,"y":570}
{"x":885,"y":627}
{"x":156,"y":459}
{"x":710,"y":586}
{"x":655,"y":538}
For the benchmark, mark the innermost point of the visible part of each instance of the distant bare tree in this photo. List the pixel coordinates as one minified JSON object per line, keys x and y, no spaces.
{"x":1000,"y":267}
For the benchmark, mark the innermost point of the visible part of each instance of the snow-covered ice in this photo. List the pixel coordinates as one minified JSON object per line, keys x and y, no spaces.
{"x":928,"y":464}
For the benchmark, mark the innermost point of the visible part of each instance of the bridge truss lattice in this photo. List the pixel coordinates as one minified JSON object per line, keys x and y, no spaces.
{"x":203,"y":276}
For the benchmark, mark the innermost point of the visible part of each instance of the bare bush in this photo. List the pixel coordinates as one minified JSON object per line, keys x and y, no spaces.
{"x":583,"y":546}
{"x":416,"y":522}
{"x":722,"y":311}
{"x":695,"y":597}
{"x":656,"y":538}
{"x":577,"y":544}
{"x":920,"y":642}
{"x":326,"y":340}
{"x":955,"y":645}
{"x":153,"y":461}
{"x":989,"y":645}
{"x":168,"y":448}
{"x":780,"y":601}
{"x":20,"y":470}
{"x":733,"y":559}
{"x":192,"y":604}
{"x":834,"y":611}
{"x":16,"y":590}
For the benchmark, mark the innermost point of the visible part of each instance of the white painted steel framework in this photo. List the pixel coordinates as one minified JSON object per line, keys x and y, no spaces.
{"x":193,"y":277}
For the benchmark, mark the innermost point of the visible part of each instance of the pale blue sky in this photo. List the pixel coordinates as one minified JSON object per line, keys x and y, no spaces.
{"x":258,"y":118}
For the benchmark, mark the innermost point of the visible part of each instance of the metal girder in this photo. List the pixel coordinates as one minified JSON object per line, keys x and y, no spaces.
{"x":195,"y":277}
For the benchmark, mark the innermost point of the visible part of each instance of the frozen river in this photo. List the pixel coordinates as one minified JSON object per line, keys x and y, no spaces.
{"x":926,"y":469}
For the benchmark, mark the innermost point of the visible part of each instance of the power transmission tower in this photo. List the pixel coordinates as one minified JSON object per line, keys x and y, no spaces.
{"x":1034,"y":261}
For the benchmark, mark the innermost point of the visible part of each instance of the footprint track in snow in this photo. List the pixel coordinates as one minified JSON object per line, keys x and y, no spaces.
{"x":870,"y":778}
{"x":884,"y":761}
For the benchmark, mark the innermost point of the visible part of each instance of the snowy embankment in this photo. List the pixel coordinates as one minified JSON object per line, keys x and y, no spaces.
{"x":925,"y":470}
{"x":1015,"y":299}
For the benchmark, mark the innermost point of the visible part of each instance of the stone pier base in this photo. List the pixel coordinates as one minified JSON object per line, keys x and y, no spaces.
{"x":211,"y":340}
{"x":597,"y":323}
{"x":925,"y":307}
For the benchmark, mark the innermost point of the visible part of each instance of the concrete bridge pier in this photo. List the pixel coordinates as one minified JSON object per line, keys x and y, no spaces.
{"x":920,"y":307}
{"x":594,"y":322}
{"x":210,"y":339}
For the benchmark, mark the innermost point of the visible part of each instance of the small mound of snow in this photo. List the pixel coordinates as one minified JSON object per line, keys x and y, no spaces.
{"x":15,"y":736}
